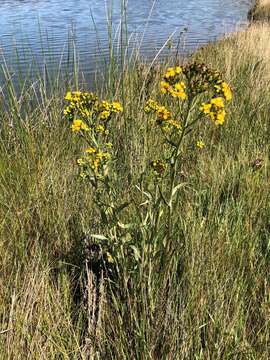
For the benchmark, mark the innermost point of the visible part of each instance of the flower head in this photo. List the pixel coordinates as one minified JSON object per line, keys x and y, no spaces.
{"x":226,"y":91}
{"x":116,"y":107}
{"x":218,"y":102}
{"x":178,"y":90}
{"x":172,"y":85}
{"x":79,"y":125}
{"x":162,"y":113}
{"x":200,"y":144}
{"x":170,"y":73}
{"x":94,"y":159}
{"x":158,"y":167}
{"x":215,"y":110}
{"x":151,"y":106}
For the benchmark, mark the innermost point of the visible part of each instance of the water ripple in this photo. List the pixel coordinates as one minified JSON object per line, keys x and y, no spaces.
{"x":41,"y":27}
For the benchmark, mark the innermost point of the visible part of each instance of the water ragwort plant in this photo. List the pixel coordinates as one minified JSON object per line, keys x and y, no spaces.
{"x":196,"y":93}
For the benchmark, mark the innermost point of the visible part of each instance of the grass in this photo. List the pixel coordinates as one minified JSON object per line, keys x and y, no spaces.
{"x":260,"y":11}
{"x":212,"y":299}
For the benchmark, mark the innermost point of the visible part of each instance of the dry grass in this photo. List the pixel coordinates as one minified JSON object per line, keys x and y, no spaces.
{"x":260,"y":11}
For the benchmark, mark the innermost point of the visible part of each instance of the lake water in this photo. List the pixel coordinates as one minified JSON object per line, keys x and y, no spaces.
{"x":41,"y":27}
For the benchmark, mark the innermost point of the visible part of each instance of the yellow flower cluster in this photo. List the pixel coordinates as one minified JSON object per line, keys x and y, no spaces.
{"x":163,"y":113}
{"x":215,"y":109}
{"x":94,"y":159}
{"x":78,"y":125}
{"x":191,"y":82}
{"x":79,"y":104}
{"x":172,"y":72}
{"x":164,"y":116}
{"x":87,"y":105}
{"x":90,"y":118}
{"x":151,"y":106}
{"x":101,"y":129}
{"x":106,"y":109}
{"x":177,"y":90}
{"x":225,"y":90}
{"x":172,"y":83}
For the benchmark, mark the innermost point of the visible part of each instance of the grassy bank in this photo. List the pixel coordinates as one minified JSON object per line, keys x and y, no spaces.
{"x":212,"y":300}
{"x":260,"y":11}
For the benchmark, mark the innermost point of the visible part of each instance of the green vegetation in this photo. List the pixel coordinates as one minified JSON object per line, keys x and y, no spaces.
{"x":206,"y":296}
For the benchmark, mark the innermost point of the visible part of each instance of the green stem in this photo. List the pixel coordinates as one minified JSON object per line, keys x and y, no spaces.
{"x":174,"y":166}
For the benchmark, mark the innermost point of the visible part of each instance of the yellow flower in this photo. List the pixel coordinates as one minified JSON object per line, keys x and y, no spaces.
{"x":178,"y":70}
{"x":67,"y":111}
{"x":200,"y":144}
{"x":164,"y":87}
{"x":103,"y":155}
{"x":116,"y":107}
{"x":80,"y":162}
{"x":218,"y":102}
{"x":95,"y":159}
{"x":83,"y":175}
{"x":151,"y":105}
{"x":175,"y":124}
{"x":176,"y":90}
{"x":205,"y":108}
{"x":95,"y":165}
{"x":90,"y":150}
{"x":212,"y":115}
{"x":85,"y":112}
{"x":215,"y":109}
{"x":220,"y":117}
{"x":104,"y":115}
{"x":163,"y":113}
{"x":226,"y":91}
{"x":105,"y":105}
{"x":100,"y":129}
{"x":79,"y":125}
{"x":76,"y":93}
{"x":170,"y":73}
{"x":217,"y":88}
{"x":179,"y":91}
{"x":68,"y":96}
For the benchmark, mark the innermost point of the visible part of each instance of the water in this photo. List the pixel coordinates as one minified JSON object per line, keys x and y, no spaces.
{"x":41,"y":27}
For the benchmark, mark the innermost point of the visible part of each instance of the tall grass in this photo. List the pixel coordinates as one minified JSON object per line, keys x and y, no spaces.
{"x":211,"y":300}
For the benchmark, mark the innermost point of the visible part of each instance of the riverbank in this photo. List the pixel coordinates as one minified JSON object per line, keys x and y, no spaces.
{"x":260,"y":11}
{"x":211,"y":300}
